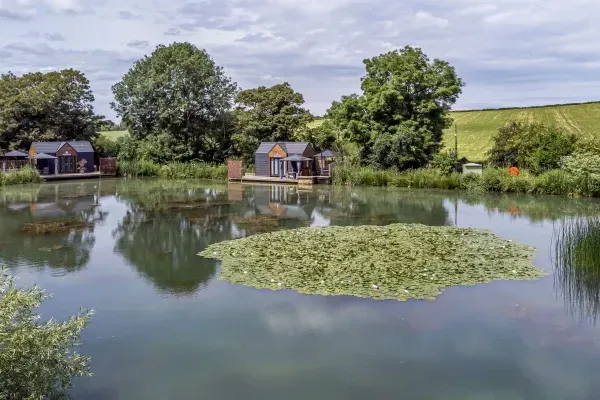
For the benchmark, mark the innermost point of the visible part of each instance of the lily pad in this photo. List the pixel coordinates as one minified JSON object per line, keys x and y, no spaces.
{"x":397,"y":261}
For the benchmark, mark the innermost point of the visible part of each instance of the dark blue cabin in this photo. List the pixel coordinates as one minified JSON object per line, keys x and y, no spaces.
{"x":273,"y":159}
{"x":63,"y":157}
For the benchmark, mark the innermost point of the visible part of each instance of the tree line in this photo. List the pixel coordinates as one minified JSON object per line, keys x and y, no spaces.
{"x":179,"y":105}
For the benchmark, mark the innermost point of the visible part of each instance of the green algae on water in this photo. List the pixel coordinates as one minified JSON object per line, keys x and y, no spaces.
{"x":397,"y":261}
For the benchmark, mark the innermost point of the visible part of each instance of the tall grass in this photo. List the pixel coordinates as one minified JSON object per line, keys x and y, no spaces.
{"x":577,"y":264}
{"x":21,"y":176}
{"x":491,"y":180}
{"x":175,"y":170}
{"x":195,"y":170}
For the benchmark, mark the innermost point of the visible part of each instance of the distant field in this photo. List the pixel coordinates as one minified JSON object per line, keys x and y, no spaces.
{"x":114,"y":135}
{"x":476,"y":128}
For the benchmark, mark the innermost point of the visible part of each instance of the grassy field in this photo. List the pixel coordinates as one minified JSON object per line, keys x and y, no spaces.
{"x":476,"y":128}
{"x":114,"y":135}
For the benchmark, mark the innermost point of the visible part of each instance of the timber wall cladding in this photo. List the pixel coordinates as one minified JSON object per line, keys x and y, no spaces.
{"x":234,"y":169}
{"x":277,"y":151}
{"x":66,"y":150}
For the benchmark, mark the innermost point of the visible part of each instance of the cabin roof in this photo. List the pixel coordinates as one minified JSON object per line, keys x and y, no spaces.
{"x":289,"y":147}
{"x":80,"y":146}
{"x":16,"y":153}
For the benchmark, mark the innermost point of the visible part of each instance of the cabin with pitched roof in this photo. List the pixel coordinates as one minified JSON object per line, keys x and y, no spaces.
{"x":279,"y":159}
{"x":63,"y":157}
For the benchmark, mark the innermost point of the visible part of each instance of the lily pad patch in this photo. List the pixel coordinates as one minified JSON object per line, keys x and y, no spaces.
{"x":397,"y":261}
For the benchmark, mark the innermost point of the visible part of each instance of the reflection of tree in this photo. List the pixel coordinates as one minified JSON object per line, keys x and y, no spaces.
{"x":68,"y":251}
{"x":577,"y":264}
{"x":164,"y":246}
{"x":345,"y":206}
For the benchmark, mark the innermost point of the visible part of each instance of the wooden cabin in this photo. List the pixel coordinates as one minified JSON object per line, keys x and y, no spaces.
{"x":62,"y":157}
{"x":279,"y":159}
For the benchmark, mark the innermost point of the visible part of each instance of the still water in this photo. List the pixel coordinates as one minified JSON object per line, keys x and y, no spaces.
{"x":167,"y":328}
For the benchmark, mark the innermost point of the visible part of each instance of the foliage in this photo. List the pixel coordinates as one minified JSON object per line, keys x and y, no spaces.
{"x":53,"y":106}
{"x":106,"y":147}
{"x":476,"y":129}
{"x":396,"y":261}
{"x":196,"y":170}
{"x":172,"y":171}
{"x":322,"y":136}
{"x":21,"y":176}
{"x":114,"y":135}
{"x":400,"y":118}
{"x":179,"y":91}
{"x":36,"y":358}
{"x":445,"y":162}
{"x":107,"y":125}
{"x":267,"y":114}
{"x":554,"y":182}
{"x":536,"y":147}
{"x":585,"y":168}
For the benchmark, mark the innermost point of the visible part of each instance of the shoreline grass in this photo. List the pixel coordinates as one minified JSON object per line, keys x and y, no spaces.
{"x":496,"y":180}
{"x":172,"y":171}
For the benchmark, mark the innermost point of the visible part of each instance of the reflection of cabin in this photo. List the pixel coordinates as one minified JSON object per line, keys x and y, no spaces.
{"x":62,"y":157}
{"x":284,"y":202}
{"x":282,"y":158}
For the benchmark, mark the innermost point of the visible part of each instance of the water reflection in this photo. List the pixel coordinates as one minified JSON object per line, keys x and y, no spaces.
{"x":66,"y":251}
{"x":577,"y":265}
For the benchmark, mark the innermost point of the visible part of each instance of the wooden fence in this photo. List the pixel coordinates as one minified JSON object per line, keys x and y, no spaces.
{"x":108,"y":166}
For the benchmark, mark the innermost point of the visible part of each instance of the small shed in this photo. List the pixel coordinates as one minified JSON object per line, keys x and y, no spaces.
{"x":472,"y":168}
{"x":68,"y":154}
{"x":269,"y":158}
{"x":324,"y":160}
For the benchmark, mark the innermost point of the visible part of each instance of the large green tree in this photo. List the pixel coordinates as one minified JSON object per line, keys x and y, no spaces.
{"x":51,"y":106}
{"x":179,"y":91}
{"x":399,"y":119}
{"x":268,"y":114}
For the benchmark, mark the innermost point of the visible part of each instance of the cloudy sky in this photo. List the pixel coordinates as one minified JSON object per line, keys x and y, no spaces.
{"x":509,"y":52}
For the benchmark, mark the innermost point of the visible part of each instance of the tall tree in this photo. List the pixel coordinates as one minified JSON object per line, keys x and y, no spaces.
{"x":268,"y":114}
{"x":178,"y":90}
{"x":45,"y":106}
{"x":400,"y":118}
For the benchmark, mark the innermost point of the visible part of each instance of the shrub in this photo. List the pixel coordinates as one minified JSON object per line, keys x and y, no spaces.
{"x":555,"y":182}
{"x":536,"y":147}
{"x":444,"y":162}
{"x":36,"y":359}
{"x":21,"y":176}
{"x":584,"y":166}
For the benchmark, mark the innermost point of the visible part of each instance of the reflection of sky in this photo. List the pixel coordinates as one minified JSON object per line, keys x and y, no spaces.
{"x":503,"y":340}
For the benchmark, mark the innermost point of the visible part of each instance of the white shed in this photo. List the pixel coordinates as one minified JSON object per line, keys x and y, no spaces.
{"x":472,"y":168}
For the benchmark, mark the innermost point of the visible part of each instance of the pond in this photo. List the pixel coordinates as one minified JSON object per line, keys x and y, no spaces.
{"x":166,"y":327}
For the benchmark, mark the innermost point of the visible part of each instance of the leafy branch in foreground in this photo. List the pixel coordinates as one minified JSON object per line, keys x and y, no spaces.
{"x":36,"y":359}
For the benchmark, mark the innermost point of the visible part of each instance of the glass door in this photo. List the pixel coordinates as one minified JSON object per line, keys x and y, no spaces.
{"x":275,"y":168}
{"x":66,"y":164}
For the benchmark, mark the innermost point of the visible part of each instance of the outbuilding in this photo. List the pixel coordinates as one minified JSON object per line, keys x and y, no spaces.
{"x":63,"y":157}
{"x":279,"y":159}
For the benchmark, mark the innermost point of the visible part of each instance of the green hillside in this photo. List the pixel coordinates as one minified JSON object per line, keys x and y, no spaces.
{"x":476,"y":128}
{"x":114,"y":135}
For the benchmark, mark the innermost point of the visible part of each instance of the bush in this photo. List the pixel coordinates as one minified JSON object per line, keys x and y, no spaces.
{"x":556,"y":182}
{"x":21,"y":176}
{"x":536,"y":147}
{"x":36,"y":359}
{"x":584,"y":166}
{"x":444,"y":162}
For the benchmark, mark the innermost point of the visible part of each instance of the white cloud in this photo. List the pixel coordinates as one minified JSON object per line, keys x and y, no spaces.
{"x":509,"y":52}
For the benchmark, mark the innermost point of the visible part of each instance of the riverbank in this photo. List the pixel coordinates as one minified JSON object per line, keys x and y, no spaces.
{"x":18,"y":177}
{"x":497,"y":180}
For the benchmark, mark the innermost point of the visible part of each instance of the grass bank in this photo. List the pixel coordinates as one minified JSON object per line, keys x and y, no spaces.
{"x":497,"y":180}
{"x":23,"y":176}
{"x":172,"y":171}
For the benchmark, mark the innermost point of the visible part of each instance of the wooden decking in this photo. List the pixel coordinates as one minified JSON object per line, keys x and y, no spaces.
{"x":87,"y":175}
{"x":288,"y":181}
